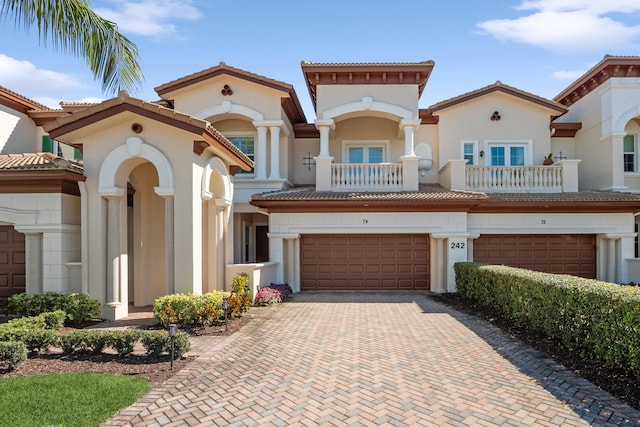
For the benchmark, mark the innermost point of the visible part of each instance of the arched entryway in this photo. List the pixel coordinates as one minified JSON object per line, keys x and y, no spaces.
{"x":137,"y":185}
{"x":217,"y":196}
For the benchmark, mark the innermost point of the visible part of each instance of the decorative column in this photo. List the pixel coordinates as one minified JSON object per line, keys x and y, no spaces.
{"x":324,"y":160}
{"x":409,"y":127}
{"x":276,"y":254}
{"x":324,"y":126}
{"x":275,"y":152}
{"x":611,"y":259}
{"x":437,"y":264}
{"x":33,"y":248}
{"x":290,"y":260}
{"x":261,"y":155}
{"x":169,"y":242}
{"x":114,"y":197}
{"x":221,"y":207}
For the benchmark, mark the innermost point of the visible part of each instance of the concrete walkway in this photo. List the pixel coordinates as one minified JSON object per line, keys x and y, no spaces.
{"x":371,"y":359}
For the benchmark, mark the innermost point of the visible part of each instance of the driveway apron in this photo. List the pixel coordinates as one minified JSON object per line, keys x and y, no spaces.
{"x":371,"y":359}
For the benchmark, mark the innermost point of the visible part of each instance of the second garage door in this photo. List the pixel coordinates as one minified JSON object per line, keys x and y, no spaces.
{"x":573,"y":254}
{"x":364,"y":262}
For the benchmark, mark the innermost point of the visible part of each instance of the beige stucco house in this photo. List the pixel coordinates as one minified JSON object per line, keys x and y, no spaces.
{"x":225,"y":174}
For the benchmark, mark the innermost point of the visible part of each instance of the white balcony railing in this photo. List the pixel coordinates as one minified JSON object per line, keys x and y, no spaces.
{"x":514,"y":179}
{"x":366,"y":177}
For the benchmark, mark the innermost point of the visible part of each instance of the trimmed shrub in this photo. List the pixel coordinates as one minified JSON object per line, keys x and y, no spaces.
{"x":12,"y":353}
{"x":268,"y":295}
{"x":53,"y":319}
{"x":92,"y":341}
{"x":36,"y":340}
{"x":79,"y":308}
{"x":123,"y":342}
{"x":189,"y":310}
{"x":596,"y":319}
{"x":158,"y":342}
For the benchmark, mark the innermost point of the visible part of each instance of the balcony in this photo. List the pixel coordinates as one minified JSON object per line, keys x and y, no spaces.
{"x":377,"y":177}
{"x":562,"y":177}
{"x":514,"y":179}
{"x":366,"y":177}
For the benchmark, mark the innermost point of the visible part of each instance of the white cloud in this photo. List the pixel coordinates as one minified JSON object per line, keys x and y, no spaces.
{"x":567,"y":75}
{"x":568,"y":25}
{"x":25,"y":77}
{"x":152,"y":18}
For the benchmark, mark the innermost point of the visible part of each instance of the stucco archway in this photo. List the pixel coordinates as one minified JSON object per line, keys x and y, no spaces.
{"x":368,"y":104}
{"x":152,"y":218}
{"x":217,"y":196}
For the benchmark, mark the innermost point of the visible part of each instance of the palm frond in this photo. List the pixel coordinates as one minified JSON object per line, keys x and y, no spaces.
{"x":73,"y":27}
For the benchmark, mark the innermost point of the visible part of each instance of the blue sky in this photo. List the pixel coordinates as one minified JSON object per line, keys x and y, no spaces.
{"x":540,"y":46}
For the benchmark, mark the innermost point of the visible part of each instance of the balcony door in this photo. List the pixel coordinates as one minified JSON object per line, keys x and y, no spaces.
{"x":365,"y":153}
{"x":507,"y":154}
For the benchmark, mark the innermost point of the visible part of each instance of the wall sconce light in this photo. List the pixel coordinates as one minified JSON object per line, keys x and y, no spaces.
{"x":495,"y":116}
{"x":481,"y":153}
{"x":226,"y":90}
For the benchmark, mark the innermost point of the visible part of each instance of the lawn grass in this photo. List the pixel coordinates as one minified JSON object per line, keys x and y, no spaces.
{"x":66,"y":399}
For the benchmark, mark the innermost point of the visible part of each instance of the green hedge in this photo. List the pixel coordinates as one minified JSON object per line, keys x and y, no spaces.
{"x":189,"y":310}
{"x":599,"y":320}
{"x":95,"y":341}
{"x":12,"y":353}
{"x":80,"y":308}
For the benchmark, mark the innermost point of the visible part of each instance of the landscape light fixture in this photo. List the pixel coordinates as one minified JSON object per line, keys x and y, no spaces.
{"x":173,"y":330}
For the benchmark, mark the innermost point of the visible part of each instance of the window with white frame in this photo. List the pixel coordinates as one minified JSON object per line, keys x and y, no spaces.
{"x":508,"y":153}
{"x":246,"y":144}
{"x":365,"y":152}
{"x":630,"y":153}
{"x":470,"y":152}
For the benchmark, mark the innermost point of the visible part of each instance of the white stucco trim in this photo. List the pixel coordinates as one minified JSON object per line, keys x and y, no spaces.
{"x":229,"y":107}
{"x":622,"y":121}
{"x":216,"y":164}
{"x":18,"y":217}
{"x":134,"y":147}
{"x":368,"y":104}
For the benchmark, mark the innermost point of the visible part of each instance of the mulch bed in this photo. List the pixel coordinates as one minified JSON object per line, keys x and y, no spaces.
{"x":155,"y":370}
{"x":620,"y":383}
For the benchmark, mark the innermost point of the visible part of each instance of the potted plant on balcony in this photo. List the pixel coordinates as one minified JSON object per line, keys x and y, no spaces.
{"x":548,"y":160}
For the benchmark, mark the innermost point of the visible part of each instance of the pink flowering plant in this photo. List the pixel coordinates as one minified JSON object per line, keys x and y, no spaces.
{"x":268,"y":295}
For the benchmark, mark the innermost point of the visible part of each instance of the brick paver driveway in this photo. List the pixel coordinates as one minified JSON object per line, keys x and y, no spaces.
{"x":372,"y":359}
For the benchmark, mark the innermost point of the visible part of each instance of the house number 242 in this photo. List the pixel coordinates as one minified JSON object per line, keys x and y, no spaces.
{"x":457,"y":245}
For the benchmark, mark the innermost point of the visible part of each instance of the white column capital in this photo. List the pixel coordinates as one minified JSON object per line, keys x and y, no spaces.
{"x":111,"y":192}
{"x":331,"y":124}
{"x":405,"y":123}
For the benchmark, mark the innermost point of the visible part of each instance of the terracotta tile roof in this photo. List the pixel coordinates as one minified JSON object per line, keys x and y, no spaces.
{"x":19,"y":102}
{"x":214,"y":71}
{"x":609,"y":66}
{"x":336,"y":73}
{"x":290,"y":104}
{"x":425,"y":192}
{"x":499,"y":86}
{"x":32,"y":161}
{"x":580,"y":196}
{"x":123,"y":101}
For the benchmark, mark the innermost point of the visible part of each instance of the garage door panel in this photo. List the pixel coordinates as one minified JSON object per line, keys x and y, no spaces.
{"x":364,"y":262}
{"x":12,"y":261}
{"x":564,"y":254}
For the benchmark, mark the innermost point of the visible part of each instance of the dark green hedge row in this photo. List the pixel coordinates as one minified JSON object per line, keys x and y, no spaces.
{"x":597,"y":319}
{"x":80,"y":308}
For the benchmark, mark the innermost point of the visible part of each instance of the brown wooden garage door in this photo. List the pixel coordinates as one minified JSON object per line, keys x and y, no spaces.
{"x":364,"y":262}
{"x":12,"y":261}
{"x":573,"y":254}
